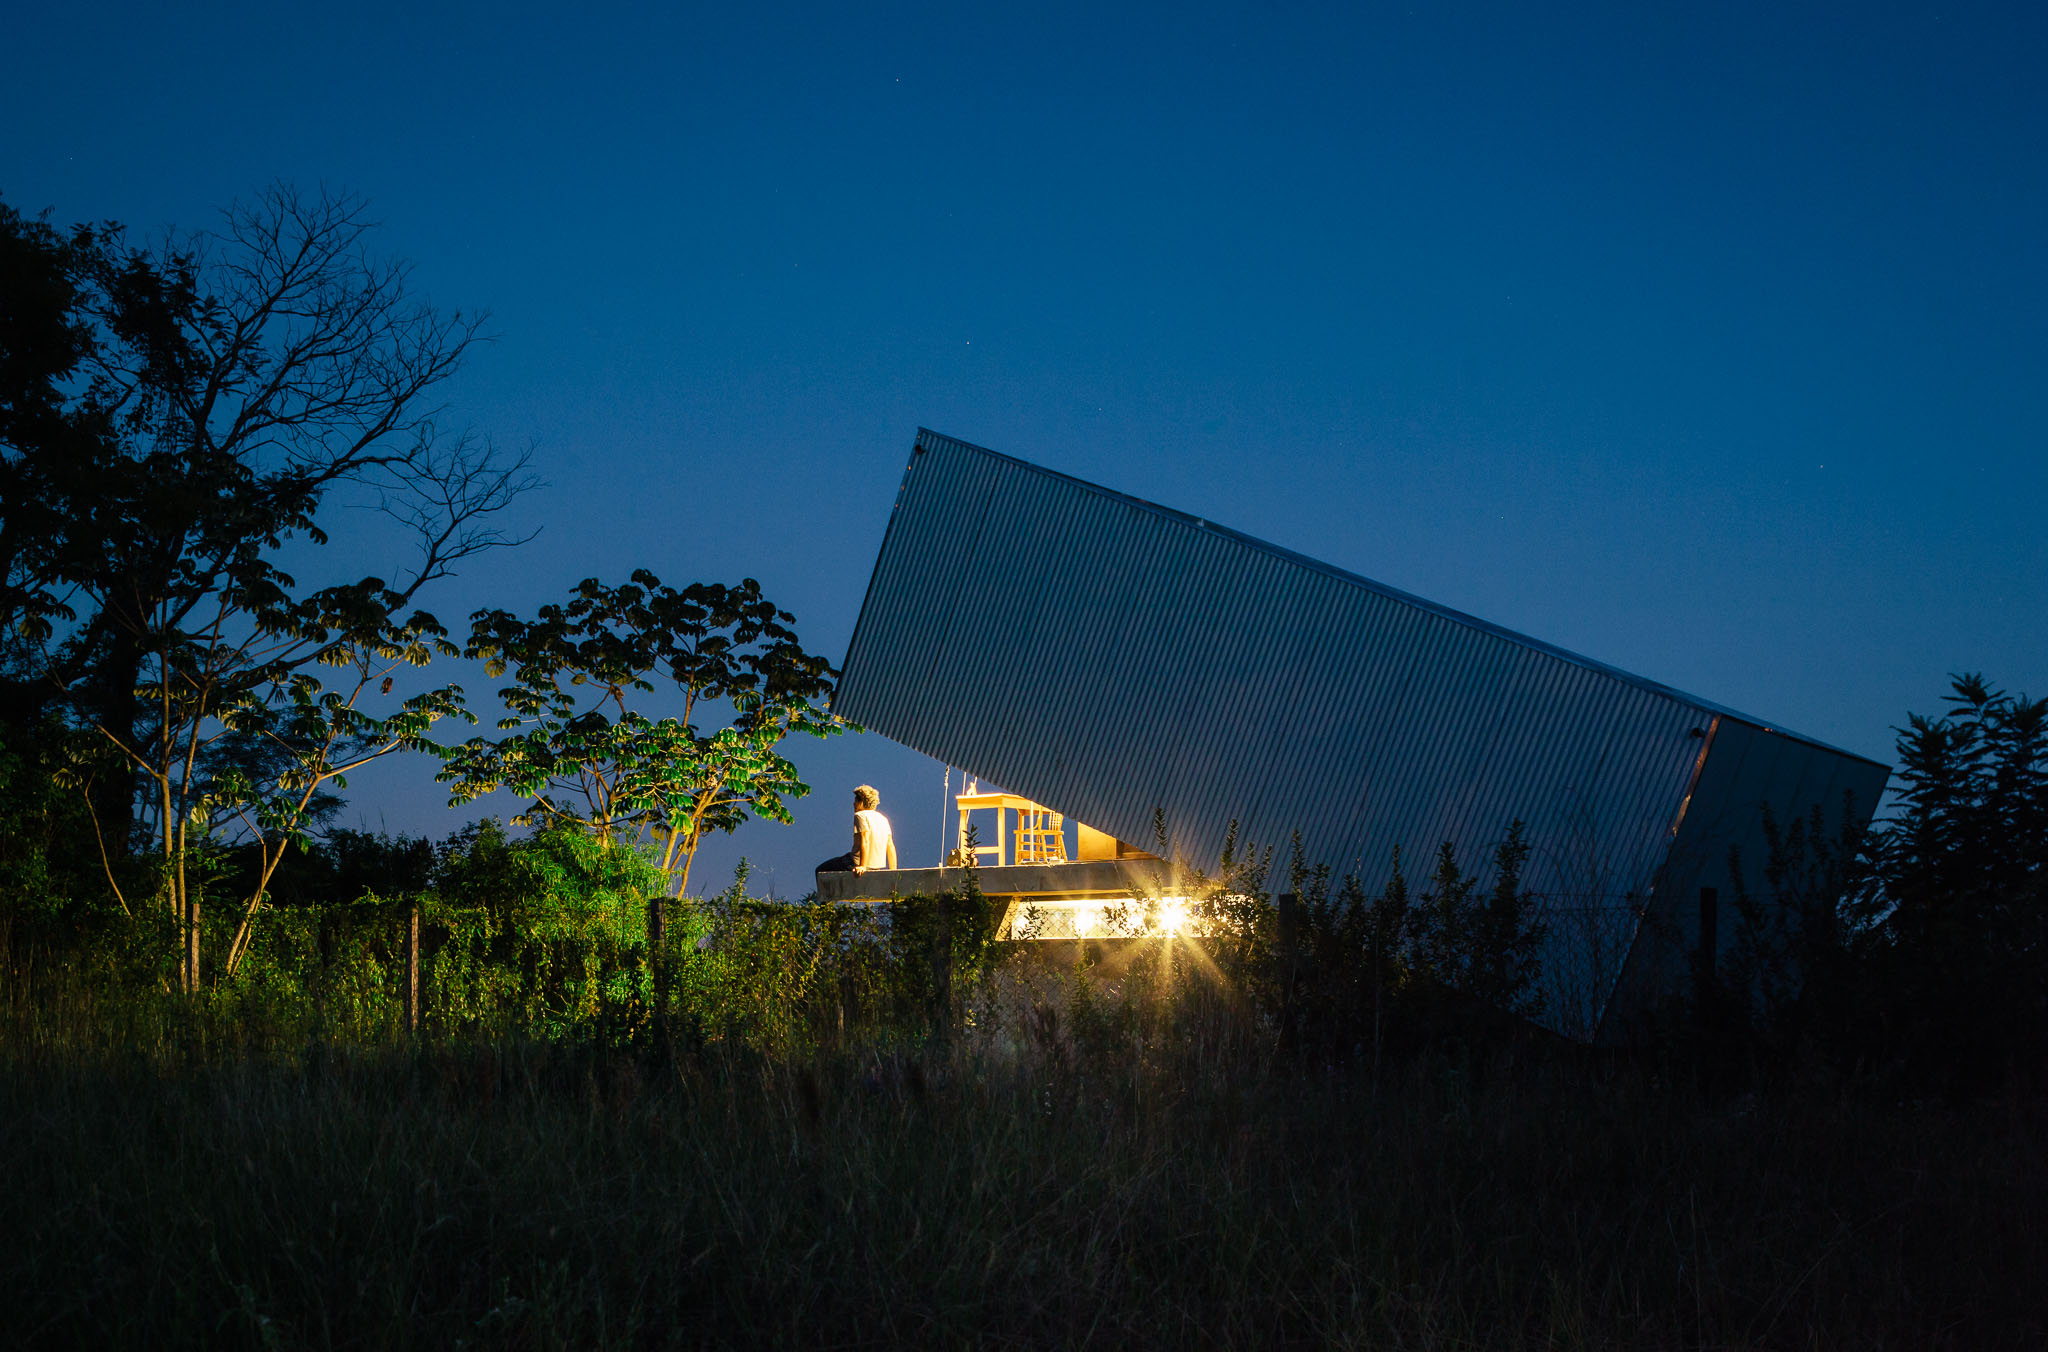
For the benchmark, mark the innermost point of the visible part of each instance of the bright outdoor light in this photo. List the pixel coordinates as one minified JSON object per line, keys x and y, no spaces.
{"x":1108,"y":918}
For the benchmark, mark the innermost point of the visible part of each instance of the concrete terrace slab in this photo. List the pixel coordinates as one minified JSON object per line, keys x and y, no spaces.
{"x":1089,"y":878}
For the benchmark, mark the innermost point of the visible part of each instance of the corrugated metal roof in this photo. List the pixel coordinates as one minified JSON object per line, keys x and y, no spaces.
{"x":1116,"y":659}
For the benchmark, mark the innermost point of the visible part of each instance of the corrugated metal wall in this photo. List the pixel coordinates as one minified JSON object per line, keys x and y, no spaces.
{"x":1116,"y":659}
{"x":1750,"y":771}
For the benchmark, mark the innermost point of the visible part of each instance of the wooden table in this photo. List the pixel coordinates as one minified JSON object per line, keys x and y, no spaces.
{"x":1004,"y":804}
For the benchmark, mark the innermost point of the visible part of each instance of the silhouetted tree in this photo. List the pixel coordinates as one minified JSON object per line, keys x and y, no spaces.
{"x":50,"y":441}
{"x":193,"y":408}
{"x":1799,"y":946}
{"x":1961,"y":877}
{"x":1440,"y":926}
{"x":1506,"y":935}
{"x":1922,"y":945}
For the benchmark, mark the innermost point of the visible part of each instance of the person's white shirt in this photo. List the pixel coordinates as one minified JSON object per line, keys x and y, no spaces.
{"x":873,"y":846}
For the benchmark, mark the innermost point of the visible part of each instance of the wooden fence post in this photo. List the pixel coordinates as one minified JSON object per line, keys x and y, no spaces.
{"x":1710,"y":943}
{"x":942,"y":966}
{"x":191,"y":973}
{"x":1287,"y":924}
{"x":412,"y":966}
{"x":657,"y":955}
{"x":324,"y":955}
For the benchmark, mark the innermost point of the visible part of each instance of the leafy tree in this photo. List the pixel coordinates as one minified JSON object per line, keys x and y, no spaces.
{"x":1388,"y":922}
{"x":1965,"y":863}
{"x":49,"y":889}
{"x":1958,"y":896}
{"x":193,"y":410}
{"x":1440,"y":927}
{"x":1796,"y":955}
{"x":45,"y":337}
{"x":286,"y":740}
{"x":1506,"y":934}
{"x":1487,"y":947}
{"x":1922,"y":944}
{"x":581,"y":753}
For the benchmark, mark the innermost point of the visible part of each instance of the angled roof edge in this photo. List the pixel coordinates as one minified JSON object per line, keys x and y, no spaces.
{"x":927,"y":439}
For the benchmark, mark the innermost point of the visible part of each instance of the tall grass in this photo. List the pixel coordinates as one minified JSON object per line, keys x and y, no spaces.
{"x":1087,"y":1161}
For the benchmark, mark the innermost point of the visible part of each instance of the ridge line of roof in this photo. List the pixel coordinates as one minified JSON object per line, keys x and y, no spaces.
{"x":926,"y":437}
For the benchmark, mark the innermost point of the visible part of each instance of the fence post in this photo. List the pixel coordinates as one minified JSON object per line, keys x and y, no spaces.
{"x":412,"y":966}
{"x":324,"y":955}
{"x":191,"y":973}
{"x":1710,"y":943}
{"x":657,"y":955}
{"x":942,"y":966}
{"x":1287,"y":924}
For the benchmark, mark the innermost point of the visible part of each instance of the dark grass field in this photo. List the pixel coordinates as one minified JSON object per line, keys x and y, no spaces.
{"x":1016,"y":1189}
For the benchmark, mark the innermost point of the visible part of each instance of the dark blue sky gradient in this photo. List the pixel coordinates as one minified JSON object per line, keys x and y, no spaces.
{"x":1708,"y":344}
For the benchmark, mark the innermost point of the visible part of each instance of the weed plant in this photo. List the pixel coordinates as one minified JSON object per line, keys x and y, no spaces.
{"x":815,"y":1125}
{"x":1110,"y":1152}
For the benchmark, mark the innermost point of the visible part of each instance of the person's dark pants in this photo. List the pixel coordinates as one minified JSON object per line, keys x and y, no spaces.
{"x":839,"y":864}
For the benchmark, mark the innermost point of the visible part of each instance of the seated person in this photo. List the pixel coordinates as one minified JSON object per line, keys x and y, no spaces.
{"x":873,"y":845}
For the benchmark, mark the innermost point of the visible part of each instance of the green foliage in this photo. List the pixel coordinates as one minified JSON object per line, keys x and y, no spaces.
{"x":1440,"y":926}
{"x":1963,"y":869}
{"x":179,"y":418}
{"x":583,"y":756}
{"x":543,"y":937}
{"x":1918,"y":950}
{"x":789,"y":979}
{"x":52,"y":893}
{"x":779,"y":978}
{"x":1797,"y":951}
{"x":1507,"y":935}
{"x":1342,"y":971}
{"x":813,"y":1122}
{"x":1914,"y":953}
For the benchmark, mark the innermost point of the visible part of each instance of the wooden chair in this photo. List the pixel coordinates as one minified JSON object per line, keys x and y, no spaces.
{"x":1041,"y":836}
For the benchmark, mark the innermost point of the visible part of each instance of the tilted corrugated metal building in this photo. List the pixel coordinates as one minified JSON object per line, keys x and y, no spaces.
{"x":1115,"y":659}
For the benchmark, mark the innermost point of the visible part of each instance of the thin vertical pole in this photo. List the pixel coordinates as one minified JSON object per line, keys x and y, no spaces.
{"x":412,"y":966}
{"x":326,"y":961}
{"x":191,"y":940}
{"x":657,"y":953}
{"x":1287,"y":923}
{"x":942,"y":967}
{"x":1710,"y":941}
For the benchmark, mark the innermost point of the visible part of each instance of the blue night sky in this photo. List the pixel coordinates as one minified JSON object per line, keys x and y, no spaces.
{"x":1709,"y":344}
